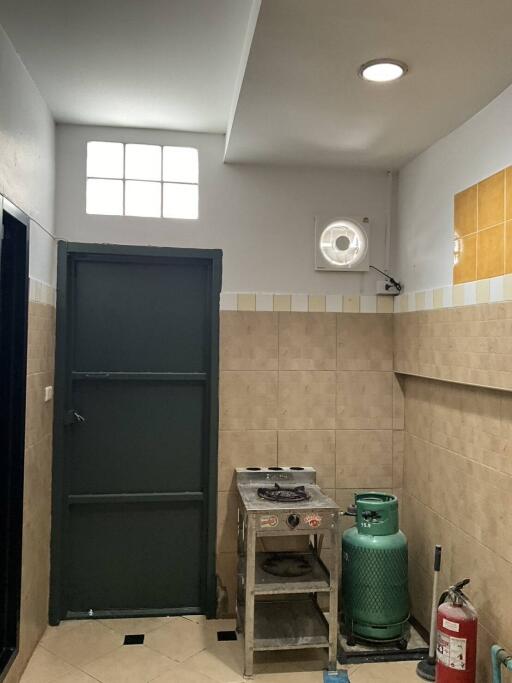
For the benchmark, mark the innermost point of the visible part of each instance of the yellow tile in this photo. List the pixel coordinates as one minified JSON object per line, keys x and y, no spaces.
{"x":508,"y":246}
{"x":385,"y":304}
{"x":282,"y":302}
{"x":350,"y":304}
{"x":246,"y":302}
{"x":464,"y":269}
{"x":458,"y":295}
{"x":464,"y":212}
{"x":508,"y":194}
{"x":490,"y":252}
{"x":316,"y":304}
{"x":438,"y":298}
{"x":491,"y":200}
{"x":483,"y":290}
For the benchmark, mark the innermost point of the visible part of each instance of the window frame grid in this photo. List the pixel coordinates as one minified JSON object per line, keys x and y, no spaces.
{"x":162,"y":182}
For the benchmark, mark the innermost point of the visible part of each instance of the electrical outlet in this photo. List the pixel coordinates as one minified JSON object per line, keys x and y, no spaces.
{"x":385,"y":287}
{"x":48,"y":393}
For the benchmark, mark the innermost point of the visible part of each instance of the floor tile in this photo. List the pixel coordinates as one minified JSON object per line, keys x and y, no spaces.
{"x":297,"y":677}
{"x":82,"y":644}
{"x":196,"y":618}
{"x":222,"y":662}
{"x":181,"y":673}
{"x":131,"y":626}
{"x":128,"y":664}
{"x":398,"y":672}
{"x":178,"y":639}
{"x":75,"y":676}
{"x":45,"y":667}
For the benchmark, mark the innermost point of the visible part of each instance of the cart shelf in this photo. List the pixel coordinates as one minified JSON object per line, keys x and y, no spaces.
{"x":293,"y":624}
{"x":315,"y":581}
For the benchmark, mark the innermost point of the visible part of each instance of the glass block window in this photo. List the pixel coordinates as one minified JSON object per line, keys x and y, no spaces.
{"x":142,"y":180}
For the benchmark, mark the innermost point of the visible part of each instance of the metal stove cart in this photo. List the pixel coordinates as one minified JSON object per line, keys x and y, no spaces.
{"x":277,"y":594}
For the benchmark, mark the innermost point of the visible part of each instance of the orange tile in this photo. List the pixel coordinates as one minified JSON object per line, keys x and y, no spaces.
{"x":508,"y":247}
{"x":491,"y":200}
{"x":464,"y":211}
{"x":508,"y":194}
{"x":490,"y":252}
{"x":464,"y":268}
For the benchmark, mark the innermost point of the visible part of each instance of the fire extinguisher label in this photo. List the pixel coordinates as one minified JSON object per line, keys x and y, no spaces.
{"x":451,"y":651}
{"x":450,"y":625}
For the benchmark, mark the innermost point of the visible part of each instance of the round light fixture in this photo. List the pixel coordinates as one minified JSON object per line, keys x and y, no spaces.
{"x":382,"y":70}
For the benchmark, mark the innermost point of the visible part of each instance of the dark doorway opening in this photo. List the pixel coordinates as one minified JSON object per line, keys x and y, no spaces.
{"x":13,"y":365}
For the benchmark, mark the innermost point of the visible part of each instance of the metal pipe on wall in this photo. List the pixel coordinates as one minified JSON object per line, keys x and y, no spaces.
{"x":499,"y":658}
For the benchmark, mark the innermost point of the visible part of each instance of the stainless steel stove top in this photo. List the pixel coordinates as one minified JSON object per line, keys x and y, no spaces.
{"x":249,"y":480}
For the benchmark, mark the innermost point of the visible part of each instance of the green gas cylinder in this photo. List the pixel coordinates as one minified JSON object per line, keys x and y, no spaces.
{"x":374,"y":571}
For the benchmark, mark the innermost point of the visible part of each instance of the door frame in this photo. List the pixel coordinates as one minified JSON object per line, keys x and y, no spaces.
{"x":68,"y":254}
{"x":12,"y":446}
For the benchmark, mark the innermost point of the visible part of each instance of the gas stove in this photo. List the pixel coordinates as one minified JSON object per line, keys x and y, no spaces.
{"x":278,"y":592}
{"x":288,"y":499}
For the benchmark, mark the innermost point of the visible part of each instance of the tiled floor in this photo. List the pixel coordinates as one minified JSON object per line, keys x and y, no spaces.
{"x":176,"y":650}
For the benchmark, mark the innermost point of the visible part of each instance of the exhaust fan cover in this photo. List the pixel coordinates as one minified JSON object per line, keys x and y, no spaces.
{"x":342,"y":244}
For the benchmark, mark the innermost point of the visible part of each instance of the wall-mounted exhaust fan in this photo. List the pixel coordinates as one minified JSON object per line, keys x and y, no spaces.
{"x":342,"y":244}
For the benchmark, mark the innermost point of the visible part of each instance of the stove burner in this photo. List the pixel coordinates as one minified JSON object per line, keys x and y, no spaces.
{"x":279,"y":494}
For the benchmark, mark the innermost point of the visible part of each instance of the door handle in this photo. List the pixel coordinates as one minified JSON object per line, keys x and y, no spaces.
{"x":74,"y":417}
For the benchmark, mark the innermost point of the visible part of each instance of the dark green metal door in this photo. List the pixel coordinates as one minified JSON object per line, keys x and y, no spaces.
{"x":135,"y":431}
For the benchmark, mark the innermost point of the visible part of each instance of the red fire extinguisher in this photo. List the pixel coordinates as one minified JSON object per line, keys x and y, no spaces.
{"x":456,"y":637}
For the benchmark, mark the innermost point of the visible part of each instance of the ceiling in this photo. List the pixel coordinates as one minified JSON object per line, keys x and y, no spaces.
{"x":302,"y":101}
{"x":143,"y":63}
{"x":181,"y":64}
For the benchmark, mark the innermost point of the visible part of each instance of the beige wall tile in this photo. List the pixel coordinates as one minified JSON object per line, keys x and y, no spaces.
{"x":226,"y":522}
{"x":351,"y":304}
{"x":419,"y":301}
{"x":365,"y":341}
{"x":316,"y":303}
{"x":364,"y":400}
{"x":483,"y":291}
{"x":248,"y":341}
{"x":398,"y":402}
{"x":248,"y":400}
{"x":439,"y":297}
{"x":306,"y":399}
{"x":246,"y":302}
{"x":244,"y":448}
{"x":282,"y":302}
{"x":37,"y":483}
{"x":307,"y":341}
{"x":398,"y":458}
{"x":226,"y":571}
{"x":364,"y":459}
{"x":456,"y":488}
{"x":458,"y":295}
{"x":309,"y":448}
{"x":385,"y":304}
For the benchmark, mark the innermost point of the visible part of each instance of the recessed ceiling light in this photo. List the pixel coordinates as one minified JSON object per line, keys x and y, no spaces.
{"x":382,"y":70}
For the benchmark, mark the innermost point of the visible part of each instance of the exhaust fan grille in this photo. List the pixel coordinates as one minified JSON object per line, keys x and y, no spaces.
{"x":343,"y":244}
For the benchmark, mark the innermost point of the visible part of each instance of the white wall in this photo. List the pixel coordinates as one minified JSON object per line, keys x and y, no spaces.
{"x":475,"y":150}
{"x":27,"y":159}
{"x":262,"y":217}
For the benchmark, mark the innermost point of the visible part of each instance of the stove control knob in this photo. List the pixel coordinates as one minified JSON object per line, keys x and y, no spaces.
{"x":293,"y":521}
